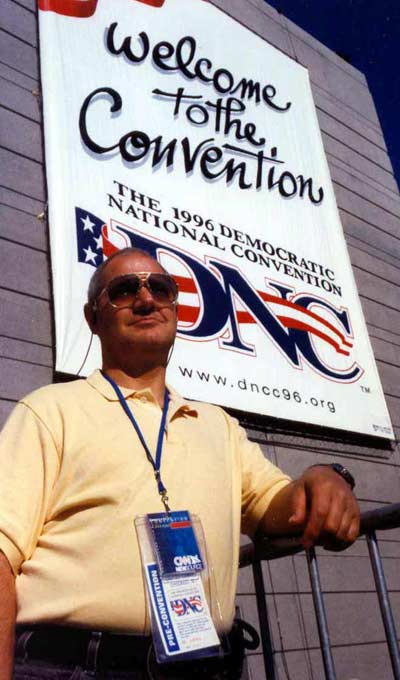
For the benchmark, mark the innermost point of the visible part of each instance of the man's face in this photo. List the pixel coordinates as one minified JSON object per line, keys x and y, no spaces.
{"x":145,"y":326}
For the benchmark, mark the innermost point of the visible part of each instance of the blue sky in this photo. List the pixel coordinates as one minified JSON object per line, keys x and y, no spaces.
{"x":367,"y":34}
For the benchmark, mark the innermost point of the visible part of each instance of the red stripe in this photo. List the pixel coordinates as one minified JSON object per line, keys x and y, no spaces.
{"x":186,"y":284}
{"x":153,"y":3}
{"x":108,"y":247}
{"x":245,"y":317}
{"x":286,"y":303}
{"x":186,"y":313}
{"x":181,"y":525}
{"x":69,"y":8}
{"x":81,"y":9}
{"x":293,"y":323}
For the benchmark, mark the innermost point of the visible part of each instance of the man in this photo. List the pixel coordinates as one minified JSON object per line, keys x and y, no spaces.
{"x":75,"y":474}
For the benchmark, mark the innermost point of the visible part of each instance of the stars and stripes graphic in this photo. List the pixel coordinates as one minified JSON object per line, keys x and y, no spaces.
{"x":187,"y":605}
{"x":178,"y":607}
{"x":190,"y":307}
{"x":196,"y":603}
{"x":93,"y":238}
{"x":89,"y":237}
{"x":292,"y":315}
{"x":288,"y":312}
{"x":97,"y":241}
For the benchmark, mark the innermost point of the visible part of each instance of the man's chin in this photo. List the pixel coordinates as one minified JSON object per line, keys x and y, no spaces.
{"x":148,"y":342}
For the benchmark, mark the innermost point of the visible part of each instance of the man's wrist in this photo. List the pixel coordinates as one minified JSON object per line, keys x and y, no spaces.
{"x":340,"y":470}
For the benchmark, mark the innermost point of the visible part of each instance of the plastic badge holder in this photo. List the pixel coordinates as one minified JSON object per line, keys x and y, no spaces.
{"x":175,"y":544}
{"x":185,"y":614}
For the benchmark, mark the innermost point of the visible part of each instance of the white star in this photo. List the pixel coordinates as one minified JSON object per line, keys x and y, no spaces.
{"x":88,"y":224}
{"x":90,"y":255}
{"x":99,"y":242}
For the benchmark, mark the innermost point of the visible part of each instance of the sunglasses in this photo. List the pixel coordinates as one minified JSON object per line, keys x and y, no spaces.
{"x":123,"y":290}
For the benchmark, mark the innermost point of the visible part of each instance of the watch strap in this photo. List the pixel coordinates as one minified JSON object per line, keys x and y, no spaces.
{"x":344,"y":473}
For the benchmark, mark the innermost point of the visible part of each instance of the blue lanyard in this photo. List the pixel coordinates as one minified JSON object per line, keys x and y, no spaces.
{"x":156,"y":464}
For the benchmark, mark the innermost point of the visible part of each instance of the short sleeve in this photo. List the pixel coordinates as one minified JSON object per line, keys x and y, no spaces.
{"x":29,"y":464}
{"x":261,"y":481}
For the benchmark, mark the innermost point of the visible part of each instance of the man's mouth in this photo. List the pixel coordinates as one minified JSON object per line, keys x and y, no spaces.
{"x":145,"y":320}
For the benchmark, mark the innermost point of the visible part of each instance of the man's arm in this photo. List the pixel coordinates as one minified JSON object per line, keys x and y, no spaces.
{"x":319,"y":505}
{"x":7,"y":618}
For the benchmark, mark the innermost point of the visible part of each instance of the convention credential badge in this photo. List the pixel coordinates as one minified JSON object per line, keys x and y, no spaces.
{"x":174,"y":570}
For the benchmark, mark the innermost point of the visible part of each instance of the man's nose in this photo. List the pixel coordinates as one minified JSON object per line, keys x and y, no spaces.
{"x":144,"y":298}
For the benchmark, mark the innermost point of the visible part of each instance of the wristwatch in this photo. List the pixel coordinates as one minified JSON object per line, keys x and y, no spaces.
{"x":344,"y":472}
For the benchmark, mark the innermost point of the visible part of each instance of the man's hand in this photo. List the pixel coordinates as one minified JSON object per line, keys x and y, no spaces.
{"x":320,"y":505}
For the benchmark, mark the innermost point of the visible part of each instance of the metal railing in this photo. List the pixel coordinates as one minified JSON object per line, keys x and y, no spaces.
{"x":386,"y":517}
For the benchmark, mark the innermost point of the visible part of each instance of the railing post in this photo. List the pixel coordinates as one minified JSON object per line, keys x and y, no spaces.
{"x":322,"y":623}
{"x":386,"y":517}
{"x":384,"y":603}
{"x":265,"y":630}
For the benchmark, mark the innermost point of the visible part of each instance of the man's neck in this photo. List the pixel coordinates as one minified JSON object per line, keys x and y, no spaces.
{"x":153,"y":378}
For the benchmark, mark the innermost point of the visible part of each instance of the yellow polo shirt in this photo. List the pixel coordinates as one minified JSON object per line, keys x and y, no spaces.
{"x":73,"y":477}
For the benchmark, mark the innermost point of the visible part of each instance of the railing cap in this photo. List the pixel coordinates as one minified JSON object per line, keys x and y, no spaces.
{"x":267,"y":548}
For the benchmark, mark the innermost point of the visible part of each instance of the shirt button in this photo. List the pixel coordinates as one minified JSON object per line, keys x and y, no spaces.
{"x":143,"y":400}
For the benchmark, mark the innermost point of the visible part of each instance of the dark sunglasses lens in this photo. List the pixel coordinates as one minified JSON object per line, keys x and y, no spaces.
{"x":124,"y":292}
{"x":162,"y":287}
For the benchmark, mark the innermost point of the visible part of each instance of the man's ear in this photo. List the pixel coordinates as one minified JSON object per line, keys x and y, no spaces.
{"x":91,"y":317}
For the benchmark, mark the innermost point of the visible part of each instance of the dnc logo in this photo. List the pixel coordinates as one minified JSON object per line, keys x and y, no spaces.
{"x":216,"y":300}
{"x":187,"y":605}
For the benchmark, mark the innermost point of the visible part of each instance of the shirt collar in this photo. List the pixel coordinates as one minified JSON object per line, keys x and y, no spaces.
{"x":178,"y":405}
{"x":181,"y":406}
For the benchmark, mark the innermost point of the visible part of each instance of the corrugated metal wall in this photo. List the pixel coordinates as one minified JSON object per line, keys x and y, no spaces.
{"x":25,"y":329}
{"x":369,"y":204}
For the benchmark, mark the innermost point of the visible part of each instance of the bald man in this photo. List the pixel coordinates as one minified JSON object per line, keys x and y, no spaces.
{"x":79,"y":464}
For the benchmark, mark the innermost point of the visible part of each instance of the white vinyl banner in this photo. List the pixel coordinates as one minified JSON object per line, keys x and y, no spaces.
{"x":171,"y":127}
